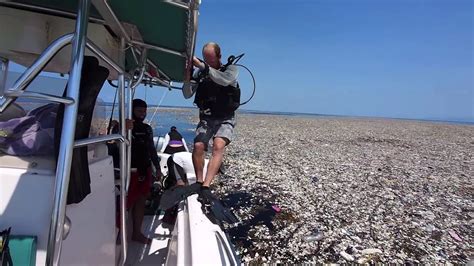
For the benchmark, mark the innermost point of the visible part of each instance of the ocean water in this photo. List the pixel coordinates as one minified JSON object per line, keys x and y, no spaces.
{"x":162,"y":120}
{"x":182,"y":118}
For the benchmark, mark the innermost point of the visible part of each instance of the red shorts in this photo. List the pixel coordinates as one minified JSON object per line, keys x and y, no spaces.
{"x":138,"y":188}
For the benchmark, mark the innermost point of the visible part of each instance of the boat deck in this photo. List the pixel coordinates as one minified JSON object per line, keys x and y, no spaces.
{"x":154,"y":254}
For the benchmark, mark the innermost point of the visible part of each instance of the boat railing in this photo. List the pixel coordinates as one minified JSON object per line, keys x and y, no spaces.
{"x":79,"y":42}
{"x":3,"y":74}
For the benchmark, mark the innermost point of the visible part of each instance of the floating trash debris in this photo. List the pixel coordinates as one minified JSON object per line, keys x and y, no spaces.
{"x":346,"y":256}
{"x":391,"y":190}
{"x":276,"y":208}
{"x":454,"y":235}
{"x":316,"y":236}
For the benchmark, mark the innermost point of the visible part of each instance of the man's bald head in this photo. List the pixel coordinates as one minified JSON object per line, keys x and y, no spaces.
{"x":212,"y":54}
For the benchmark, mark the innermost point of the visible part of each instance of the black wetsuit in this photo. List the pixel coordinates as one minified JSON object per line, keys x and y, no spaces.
{"x":143,"y":148}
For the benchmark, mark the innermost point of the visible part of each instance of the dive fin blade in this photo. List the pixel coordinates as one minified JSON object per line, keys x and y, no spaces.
{"x":173,"y":196}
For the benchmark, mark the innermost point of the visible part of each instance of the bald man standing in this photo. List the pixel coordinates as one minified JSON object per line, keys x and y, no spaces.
{"x":217,"y":97}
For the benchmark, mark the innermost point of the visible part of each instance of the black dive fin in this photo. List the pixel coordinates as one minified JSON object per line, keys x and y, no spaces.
{"x":173,"y":196}
{"x":213,"y":206}
{"x":223,"y":213}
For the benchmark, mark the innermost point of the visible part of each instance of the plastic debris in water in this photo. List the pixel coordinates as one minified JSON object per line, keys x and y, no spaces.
{"x":276,"y":208}
{"x":317,"y":236}
{"x":346,"y":256}
{"x":369,"y":251}
{"x":454,"y":235}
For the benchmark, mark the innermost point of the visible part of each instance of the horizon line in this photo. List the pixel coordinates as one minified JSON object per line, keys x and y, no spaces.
{"x":455,"y":120}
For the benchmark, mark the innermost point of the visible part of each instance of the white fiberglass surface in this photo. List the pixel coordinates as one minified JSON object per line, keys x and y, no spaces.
{"x":154,"y":254}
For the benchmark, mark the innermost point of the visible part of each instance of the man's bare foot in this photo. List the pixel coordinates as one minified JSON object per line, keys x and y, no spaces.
{"x":141,"y":239}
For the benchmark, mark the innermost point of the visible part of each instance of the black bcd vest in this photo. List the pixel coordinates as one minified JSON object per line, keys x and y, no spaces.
{"x":222,"y":101}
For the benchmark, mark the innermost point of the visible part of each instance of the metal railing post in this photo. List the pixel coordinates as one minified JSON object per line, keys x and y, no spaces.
{"x":130,"y":93}
{"x":3,"y":74}
{"x":63,"y":168}
{"x":123,"y":157}
{"x":27,"y":77}
{"x":143,"y":58}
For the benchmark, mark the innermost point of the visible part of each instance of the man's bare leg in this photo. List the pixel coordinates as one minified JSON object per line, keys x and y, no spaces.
{"x":138,"y":212}
{"x":198,"y":160}
{"x":216,"y":160}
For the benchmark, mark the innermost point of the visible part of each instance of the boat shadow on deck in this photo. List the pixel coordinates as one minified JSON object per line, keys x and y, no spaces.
{"x":154,"y":254}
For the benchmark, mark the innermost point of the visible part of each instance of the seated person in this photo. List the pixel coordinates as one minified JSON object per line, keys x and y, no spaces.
{"x":179,"y":164}
{"x":180,"y":175}
{"x":174,"y":142}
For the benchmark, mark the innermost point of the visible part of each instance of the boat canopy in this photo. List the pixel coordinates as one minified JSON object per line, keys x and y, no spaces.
{"x":167,"y":29}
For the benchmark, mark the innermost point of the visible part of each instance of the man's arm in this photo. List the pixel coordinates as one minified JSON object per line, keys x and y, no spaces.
{"x":152,"y":150}
{"x":189,"y":88}
{"x":223,"y":78}
{"x":226,"y":78}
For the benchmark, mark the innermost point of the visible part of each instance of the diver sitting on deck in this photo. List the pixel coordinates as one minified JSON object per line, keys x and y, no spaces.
{"x":143,"y":154}
{"x":180,"y":175}
{"x":174,"y":142}
{"x":178,"y":164}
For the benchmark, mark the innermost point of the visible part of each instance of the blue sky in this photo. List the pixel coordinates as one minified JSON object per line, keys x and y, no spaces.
{"x":388,"y":58}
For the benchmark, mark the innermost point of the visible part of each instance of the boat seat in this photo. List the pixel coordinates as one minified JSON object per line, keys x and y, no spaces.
{"x":26,"y":196}
{"x":44,"y":165}
{"x":27,"y":186}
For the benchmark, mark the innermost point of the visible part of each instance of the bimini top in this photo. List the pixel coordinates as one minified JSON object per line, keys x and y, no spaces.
{"x":166,"y":28}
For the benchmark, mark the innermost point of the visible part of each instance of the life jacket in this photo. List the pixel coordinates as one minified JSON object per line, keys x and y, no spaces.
{"x":141,"y":158}
{"x":221,"y":101}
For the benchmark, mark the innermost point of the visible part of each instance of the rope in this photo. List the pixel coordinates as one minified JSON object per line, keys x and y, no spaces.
{"x":156,"y":109}
{"x":112,"y":113}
